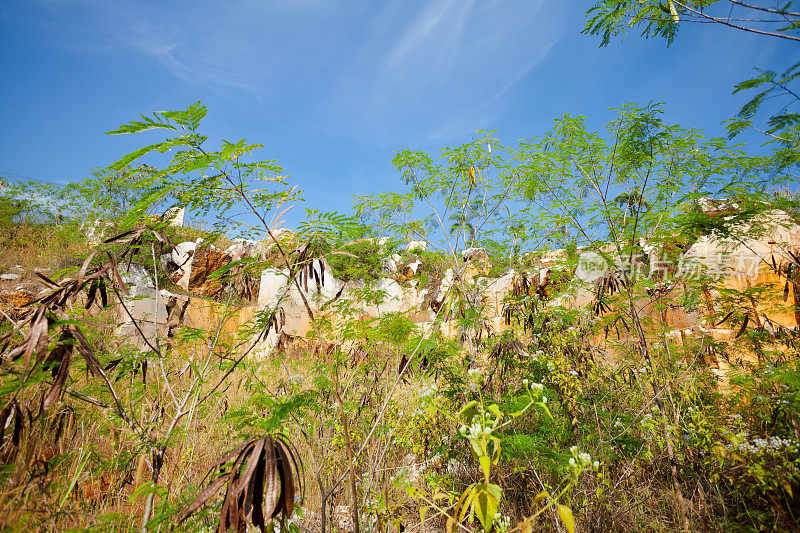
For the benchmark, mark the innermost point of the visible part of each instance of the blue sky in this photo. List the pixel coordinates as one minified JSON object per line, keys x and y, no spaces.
{"x":333,"y":89}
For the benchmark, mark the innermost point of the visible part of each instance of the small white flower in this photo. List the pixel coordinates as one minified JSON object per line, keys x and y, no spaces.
{"x":475,"y":375}
{"x":428,"y":393}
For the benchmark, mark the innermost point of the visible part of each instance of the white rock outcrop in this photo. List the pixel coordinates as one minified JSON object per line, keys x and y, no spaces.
{"x":444,"y":286}
{"x":416,"y":246}
{"x":475,"y":253}
{"x":175,"y":216}
{"x":243,"y":248}
{"x":272,"y":287}
{"x":755,"y":246}
{"x":135,"y":274}
{"x":182,"y":257}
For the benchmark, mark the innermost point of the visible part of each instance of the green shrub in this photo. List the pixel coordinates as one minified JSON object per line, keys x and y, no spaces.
{"x":361,"y":260}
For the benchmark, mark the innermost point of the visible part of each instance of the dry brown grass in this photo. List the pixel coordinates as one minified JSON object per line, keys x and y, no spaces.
{"x":42,"y":246}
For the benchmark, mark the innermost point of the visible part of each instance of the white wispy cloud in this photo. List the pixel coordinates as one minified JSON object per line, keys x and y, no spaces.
{"x":538,"y":57}
{"x":433,"y":68}
{"x":186,"y":61}
{"x":437,"y":30}
{"x":440,"y":68}
{"x":206,"y":45}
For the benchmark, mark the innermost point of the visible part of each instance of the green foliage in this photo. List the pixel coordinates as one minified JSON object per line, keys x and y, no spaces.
{"x":782,"y":127}
{"x":778,"y":92}
{"x":575,"y":413}
{"x":609,"y":18}
{"x":396,"y":328}
{"x":12,"y":213}
{"x":207,"y":182}
{"x":359,"y":260}
{"x":108,"y":194}
{"x":659,"y":18}
{"x":461,"y":187}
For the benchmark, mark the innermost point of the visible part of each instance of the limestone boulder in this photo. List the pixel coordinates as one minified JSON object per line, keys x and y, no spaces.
{"x":196,"y":265}
{"x":145,"y":313}
{"x":408,"y":268}
{"x":95,"y":230}
{"x":553,"y":257}
{"x":413,"y":268}
{"x":143,"y":304}
{"x":495,"y":291}
{"x":577,"y":297}
{"x":175,"y":216}
{"x":389,"y":265}
{"x":416,"y":246}
{"x":756,"y":254}
{"x":272,"y":287}
{"x":389,"y":296}
{"x":182,"y":257}
{"x":769,"y":239}
{"x":243,"y":248}
{"x":205,"y":262}
{"x":477,"y":262}
{"x":444,"y":288}
{"x":475,"y":254}
{"x":183,"y":252}
{"x":135,"y":275}
{"x":165,"y":262}
{"x":317,"y":287}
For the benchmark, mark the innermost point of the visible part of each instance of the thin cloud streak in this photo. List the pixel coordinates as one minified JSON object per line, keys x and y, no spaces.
{"x":420,"y":37}
{"x":201,"y":67}
{"x":541,"y":56}
{"x":450,"y":64}
{"x":198,"y":71}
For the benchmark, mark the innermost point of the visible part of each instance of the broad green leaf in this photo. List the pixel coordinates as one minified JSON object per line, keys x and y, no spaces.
{"x":467,"y":408}
{"x":565,"y":514}
{"x":495,"y":410}
{"x":485,"y":466}
{"x":496,"y":452}
{"x":485,"y":504}
{"x":495,"y":490}
{"x":467,"y":503}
